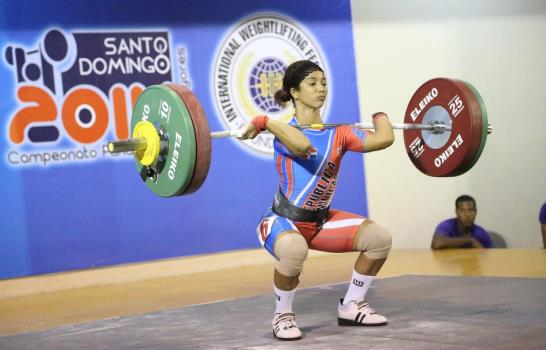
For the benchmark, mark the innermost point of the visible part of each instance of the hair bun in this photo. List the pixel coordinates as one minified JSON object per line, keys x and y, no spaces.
{"x":281,"y":97}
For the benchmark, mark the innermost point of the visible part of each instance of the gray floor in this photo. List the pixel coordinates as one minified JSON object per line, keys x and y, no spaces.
{"x":425,"y":312}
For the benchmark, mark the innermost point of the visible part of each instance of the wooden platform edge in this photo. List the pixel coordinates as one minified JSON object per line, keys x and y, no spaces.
{"x":117,"y":274}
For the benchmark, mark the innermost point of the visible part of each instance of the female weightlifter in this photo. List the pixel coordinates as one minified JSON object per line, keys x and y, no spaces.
{"x":300,"y":219}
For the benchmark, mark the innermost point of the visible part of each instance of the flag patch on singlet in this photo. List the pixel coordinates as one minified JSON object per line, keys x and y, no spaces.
{"x":312,"y":154}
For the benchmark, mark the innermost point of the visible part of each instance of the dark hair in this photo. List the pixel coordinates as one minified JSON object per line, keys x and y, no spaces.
{"x":293,"y":76}
{"x":464,"y":198}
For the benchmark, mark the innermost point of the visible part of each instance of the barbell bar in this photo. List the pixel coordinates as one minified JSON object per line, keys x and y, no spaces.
{"x":136,"y":144}
{"x":445,"y":128}
{"x":439,"y":128}
{"x":130,"y":145}
{"x":434,"y":128}
{"x":140,"y":143}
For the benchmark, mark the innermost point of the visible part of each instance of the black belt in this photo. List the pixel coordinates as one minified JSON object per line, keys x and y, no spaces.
{"x":282,"y":207}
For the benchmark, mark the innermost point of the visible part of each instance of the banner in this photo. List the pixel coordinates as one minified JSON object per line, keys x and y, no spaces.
{"x":68,"y":83}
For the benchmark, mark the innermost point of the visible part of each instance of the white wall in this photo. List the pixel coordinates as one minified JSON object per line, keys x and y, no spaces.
{"x":500,"y":47}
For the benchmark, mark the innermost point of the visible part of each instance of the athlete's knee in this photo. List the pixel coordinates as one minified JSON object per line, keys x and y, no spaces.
{"x":291,"y":249}
{"x":375,"y":241}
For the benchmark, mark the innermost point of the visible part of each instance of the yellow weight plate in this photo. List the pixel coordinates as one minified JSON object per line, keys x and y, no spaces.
{"x":146,"y":130}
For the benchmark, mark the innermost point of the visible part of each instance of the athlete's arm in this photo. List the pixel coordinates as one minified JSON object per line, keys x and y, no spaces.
{"x":383,"y":136}
{"x":293,"y":139}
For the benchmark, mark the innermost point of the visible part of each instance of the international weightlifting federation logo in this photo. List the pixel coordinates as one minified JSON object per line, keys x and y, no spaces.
{"x":250,"y":64}
{"x":265,"y":79}
{"x":74,"y":88}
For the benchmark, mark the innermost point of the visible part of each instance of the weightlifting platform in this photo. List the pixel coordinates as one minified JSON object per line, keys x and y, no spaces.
{"x":425,"y":312}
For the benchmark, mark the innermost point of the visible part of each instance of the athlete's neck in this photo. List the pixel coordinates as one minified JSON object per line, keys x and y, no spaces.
{"x":306,"y":115}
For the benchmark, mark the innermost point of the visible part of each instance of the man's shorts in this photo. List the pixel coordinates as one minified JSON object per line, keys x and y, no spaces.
{"x":336,"y":234}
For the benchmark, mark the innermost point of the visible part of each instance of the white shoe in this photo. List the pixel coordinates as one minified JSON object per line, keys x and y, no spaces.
{"x":358,"y":313}
{"x":285,"y":326}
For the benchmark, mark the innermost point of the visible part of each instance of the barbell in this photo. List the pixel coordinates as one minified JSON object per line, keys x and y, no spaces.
{"x":445,"y":129}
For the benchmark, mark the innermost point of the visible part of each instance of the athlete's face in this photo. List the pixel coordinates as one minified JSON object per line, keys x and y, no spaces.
{"x":312,"y":90}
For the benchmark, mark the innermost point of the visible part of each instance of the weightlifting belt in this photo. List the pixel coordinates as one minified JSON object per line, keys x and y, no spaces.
{"x":282,"y":207}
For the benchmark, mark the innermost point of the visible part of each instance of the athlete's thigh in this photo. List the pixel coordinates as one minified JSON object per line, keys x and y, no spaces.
{"x":338,"y":232}
{"x":271,"y":227}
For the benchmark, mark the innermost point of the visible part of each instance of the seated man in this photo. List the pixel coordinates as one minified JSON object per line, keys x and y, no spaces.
{"x":461,"y":232}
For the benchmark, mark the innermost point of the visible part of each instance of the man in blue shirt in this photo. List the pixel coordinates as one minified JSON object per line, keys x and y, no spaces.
{"x":461,"y":232}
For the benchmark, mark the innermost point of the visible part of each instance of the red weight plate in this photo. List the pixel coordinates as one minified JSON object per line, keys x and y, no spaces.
{"x":202,"y":137}
{"x":485,"y":122}
{"x":455,"y":155}
{"x":476,"y":135}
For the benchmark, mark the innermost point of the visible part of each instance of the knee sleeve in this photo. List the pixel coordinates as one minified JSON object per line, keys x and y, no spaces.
{"x":291,"y":249}
{"x":375,"y":241}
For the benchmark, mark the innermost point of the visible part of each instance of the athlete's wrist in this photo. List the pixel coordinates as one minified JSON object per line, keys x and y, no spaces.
{"x":260,"y":122}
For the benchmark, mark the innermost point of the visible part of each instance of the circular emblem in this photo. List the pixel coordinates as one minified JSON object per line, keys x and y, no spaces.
{"x":249,"y":68}
{"x":265,"y":80}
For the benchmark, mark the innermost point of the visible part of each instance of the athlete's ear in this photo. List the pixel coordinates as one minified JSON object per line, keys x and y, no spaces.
{"x":295,"y":93}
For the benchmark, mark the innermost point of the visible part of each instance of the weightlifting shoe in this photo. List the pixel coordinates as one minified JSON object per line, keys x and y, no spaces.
{"x":285,"y":326}
{"x":358,"y":313}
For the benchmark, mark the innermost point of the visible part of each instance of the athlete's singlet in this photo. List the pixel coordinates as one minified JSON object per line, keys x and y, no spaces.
{"x":309,"y":182}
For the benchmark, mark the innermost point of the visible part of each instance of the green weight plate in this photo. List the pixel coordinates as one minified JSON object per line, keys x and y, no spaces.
{"x":163,"y":107}
{"x":485,"y":123}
